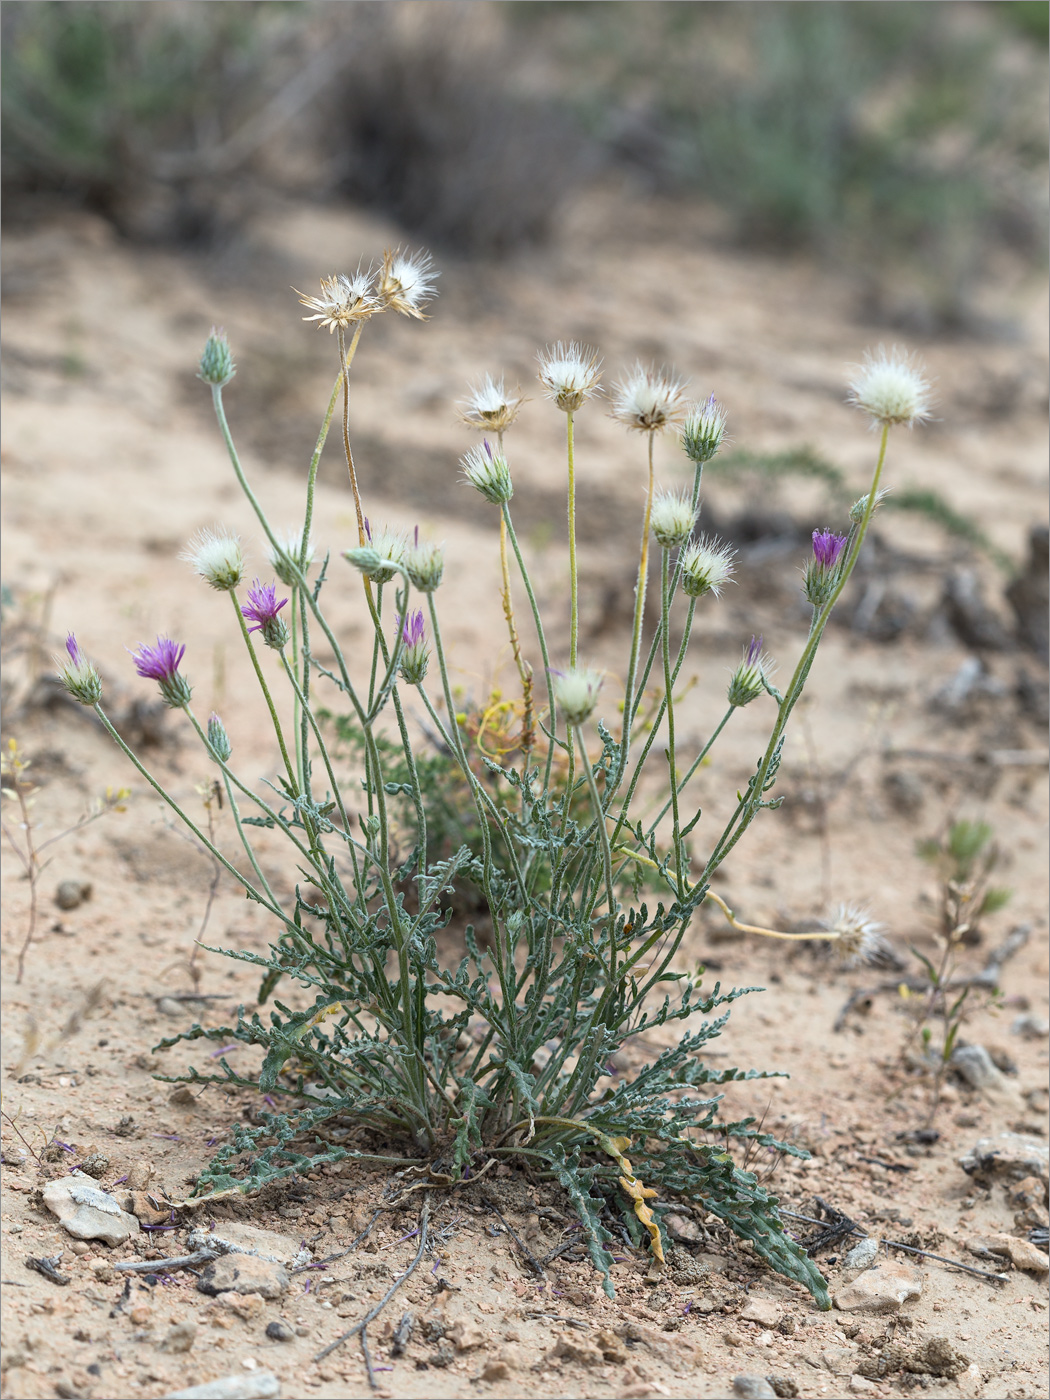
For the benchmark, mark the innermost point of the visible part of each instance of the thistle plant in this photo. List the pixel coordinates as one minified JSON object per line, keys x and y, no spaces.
{"x":502,"y":1051}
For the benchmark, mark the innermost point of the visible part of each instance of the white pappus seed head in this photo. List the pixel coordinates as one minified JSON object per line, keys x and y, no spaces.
{"x":217,"y":557}
{"x":707,"y":567}
{"x":648,"y":399}
{"x":858,"y":938}
{"x":704,"y":430}
{"x":406,"y":282}
{"x":576,"y":692}
{"x":489,"y":406}
{"x":343,"y":300}
{"x":672,"y":518}
{"x":290,"y":551}
{"x":487,"y":471}
{"x":890,"y":388}
{"x":569,"y":373}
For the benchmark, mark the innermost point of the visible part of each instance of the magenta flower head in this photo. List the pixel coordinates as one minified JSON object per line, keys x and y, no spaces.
{"x":822,"y":572}
{"x":262,"y":608}
{"x":749,"y":678}
{"x":78,"y":675}
{"x":416,"y":655}
{"x":160,"y":663}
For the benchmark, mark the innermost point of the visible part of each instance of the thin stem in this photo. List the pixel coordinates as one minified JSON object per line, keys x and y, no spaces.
{"x":676,"y":834}
{"x":574,"y":602}
{"x":636,"y":634}
{"x":346,"y":358}
{"x":528,"y":728}
{"x":266,"y":693}
{"x":540,"y":635}
{"x":603,"y":837}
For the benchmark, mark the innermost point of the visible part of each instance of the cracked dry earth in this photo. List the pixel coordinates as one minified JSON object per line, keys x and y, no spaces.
{"x":110,"y":464}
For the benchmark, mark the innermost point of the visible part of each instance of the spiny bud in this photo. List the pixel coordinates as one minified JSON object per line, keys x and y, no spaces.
{"x":425,"y":564}
{"x":707,"y":567}
{"x":78,"y":675}
{"x":672,"y":518}
{"x":488,"y":472}
{"x":704,"y":430}
{"x":576,"y":692}
{"x":216,"y":366}
{"x":416,"y":655}
{"x":749,"y":677}
{"x":857,"y":509}
{"x":290,"y":552}
{"x":218,"y":739}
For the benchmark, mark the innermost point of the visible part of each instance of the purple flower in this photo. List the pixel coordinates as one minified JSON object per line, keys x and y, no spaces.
{"x":413,"y":630}
{"x":160,"y":663}
{"x":78,"y":675}
{"x":75,"y":654}
{"x":262,"y":605}
{"x":753,"y":652}
{"x":415,"y":655}
{"x":827,"y":547}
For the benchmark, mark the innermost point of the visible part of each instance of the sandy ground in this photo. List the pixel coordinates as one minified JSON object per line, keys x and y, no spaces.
{"x":111,"y":463}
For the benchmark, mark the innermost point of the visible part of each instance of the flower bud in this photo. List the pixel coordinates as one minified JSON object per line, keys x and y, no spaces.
{"x":290,"y":552}
{"x":706,"y":567}
{"x":672,"y":519}
{"x":77,"y":674}
{"x":216,"y":366}
{"x":704,"y":431}
{"x":857,"y":509}
{"x":425,"y":564}
{"x":218,"y":739}
{"x":576,"y":692}
{"x":416,"y":655}
{"x":380,"y":558}
{"x":487,"y":472}
{"x":822,"y":571}
{"x":890,"y":388}
{"x":749,"y":678}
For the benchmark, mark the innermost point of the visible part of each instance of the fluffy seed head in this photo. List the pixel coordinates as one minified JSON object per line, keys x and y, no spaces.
{"x":219,"y":739}
{"x":343,"y":300}
{"x":290,"y":551}
{"x":216,"y":366}
{"x":160,"y":662}
{"x":707,"y":567}
{"x":749,"y":678}
{"x":406,"y":282}
{"x":261,"y":609}
{"x":890,"y":388}
{"x":648,"y":399}
{"x":489,"y":406}
{"x":576,"y":692}
{"x":704,"y":430}
{"x":858,"y":938}
{"x":672,"y":518}
{"x":217,"y":557}
{"x":569,"y":373}
{"x":425,"y":564}
{"x":78,"y":675}
{"x":487,"y":472}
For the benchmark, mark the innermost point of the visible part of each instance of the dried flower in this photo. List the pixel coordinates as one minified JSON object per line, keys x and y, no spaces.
{"x":217,"y":558}
{"x":160,"y":663}
{"x":672,"y":518}
{"x":576,"y":692}
{"x":648,"y":399}
{"x":416,"y":654}
{"x":890,"y":388}
{"x":78,"y":675}
{"x":570,"y":374}
{"x":216,"y":365}
{"x":858,"y":938}
{"x":343,"y":299}
{"x":262,"y":608}
{"x":703,"y":431}
{"x":406,"y":282}
{"x":488,"y":472}
{"x":707,"y":567}
{"x":291,"y":551}
{"x":489,"y":406}
{"x":218,"y":739}
{"x":749,"y":678}
{"x":822,"y":572}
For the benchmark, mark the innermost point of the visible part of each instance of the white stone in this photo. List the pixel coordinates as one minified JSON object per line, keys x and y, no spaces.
{"x":882,"y":1288}
{"x":970,"y":1382}
{"x":263,"y":1385}
{"x":87,"y":1212}
{"x":761,"y":1310}
{"x":862,"y":1255}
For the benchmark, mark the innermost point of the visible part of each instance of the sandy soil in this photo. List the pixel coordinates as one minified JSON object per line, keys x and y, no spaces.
{"x":111,"y":463}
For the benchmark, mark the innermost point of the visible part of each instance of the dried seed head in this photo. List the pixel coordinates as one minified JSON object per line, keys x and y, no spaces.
{"x":487,"y":472}
{"x":77,"y":674}
{"x":890,"y":388}
{"x":648,"y":399}
{"x":216,"y":365}
{"x":425,"y":564}
{"x":262,"y":608}
{"x":489,"y":406}
{"x":857,"y":937}
{"x":576,"y":692}
{"x":416,"y":655}
{"x":291,"y":552}
{"x":750,"y":676}
{"x":704,"y":430}
{"x":160,"y":663}
{"x":219,"y":739}
{"x":707,"y":567}
{"x":217,"y":558}
{"x":343,"y":299}
{"x":570,"y":374}
{"x":672,"y":518}
{"x":406,"y":282}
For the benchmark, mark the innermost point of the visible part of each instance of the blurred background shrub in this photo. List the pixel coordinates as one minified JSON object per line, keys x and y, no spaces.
{"x":904,"y":141}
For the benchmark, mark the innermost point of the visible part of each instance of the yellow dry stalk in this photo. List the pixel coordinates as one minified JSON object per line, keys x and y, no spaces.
{"x":635,"y":1189}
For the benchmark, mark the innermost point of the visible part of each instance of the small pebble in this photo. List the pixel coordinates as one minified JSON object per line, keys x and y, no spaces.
{"x":280,"y":1332}
{"x":70,"y":894}
{"x":753,"y":1388}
